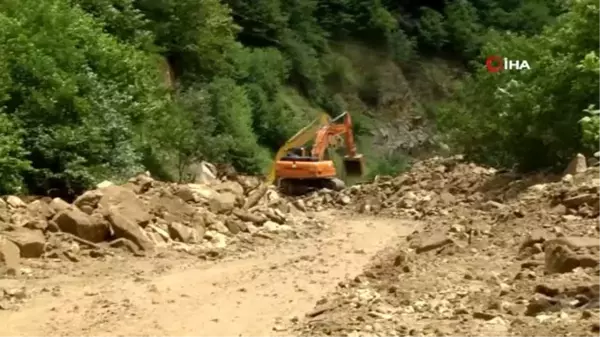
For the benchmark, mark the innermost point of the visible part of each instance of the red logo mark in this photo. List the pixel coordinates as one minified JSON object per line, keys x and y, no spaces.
{"x":494,"y":64}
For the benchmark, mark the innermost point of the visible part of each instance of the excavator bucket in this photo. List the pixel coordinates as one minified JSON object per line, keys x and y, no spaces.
{"x":354,"y":166}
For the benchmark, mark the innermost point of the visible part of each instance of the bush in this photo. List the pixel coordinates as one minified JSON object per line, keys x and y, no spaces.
{"x":78,"y":92}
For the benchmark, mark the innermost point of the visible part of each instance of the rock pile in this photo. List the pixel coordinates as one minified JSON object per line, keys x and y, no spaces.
{"x":497,"y":254}
{"x":142,"y":216}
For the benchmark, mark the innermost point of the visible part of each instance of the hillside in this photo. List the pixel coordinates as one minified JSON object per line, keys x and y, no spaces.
{"x":103,"y":89}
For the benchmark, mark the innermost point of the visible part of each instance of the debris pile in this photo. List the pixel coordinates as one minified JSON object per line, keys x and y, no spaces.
{"x":142,"y":216}
{"x":497,"y":254}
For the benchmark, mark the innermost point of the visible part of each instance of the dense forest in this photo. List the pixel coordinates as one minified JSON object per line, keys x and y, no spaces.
{"x":101,"y":89}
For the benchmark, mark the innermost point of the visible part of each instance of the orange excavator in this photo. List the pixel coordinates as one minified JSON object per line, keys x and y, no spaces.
{"x":297,"y":172}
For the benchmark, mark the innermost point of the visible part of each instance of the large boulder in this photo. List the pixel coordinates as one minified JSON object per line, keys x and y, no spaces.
{"x":57,"y":205}
{"x":127,"y":203}
{"x":15,"y":202}
{"x":230,"y":186}
{"x":88,"y":201}
{"x":223,"y":203}
{"x":183,"y":233}
{"x":30,"y":242}
{"x":124,"y":227}
{"x":172,"y":208}
{"x":82,"y":225}
{"x":9,"y":257}
{"x":41,"y":209}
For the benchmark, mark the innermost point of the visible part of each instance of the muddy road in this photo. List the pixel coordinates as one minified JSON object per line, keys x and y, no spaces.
{"x":263,"y":293}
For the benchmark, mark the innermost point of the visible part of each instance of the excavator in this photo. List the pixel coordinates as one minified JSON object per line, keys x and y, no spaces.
{"x":296,"y":172}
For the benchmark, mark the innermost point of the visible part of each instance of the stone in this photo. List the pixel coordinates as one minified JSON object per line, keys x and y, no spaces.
{"x":230,"y":186}
{"x":41,"y":209}
{"x":201,"y":191}
{"x":577,"y":165}
{"x":9,"y":257}
{"x":125,"y":227}
{"x":436,"y":241}
{"x":186,"y":194}
{"x":15,"y":202}
{"x":127,"y":203}
{"x":219,"y":227}
{"x":89,"y":199}
{"x":271,"y":226}
{"x":345,"y":200}
{"x":30,"y":242}
{"x":182,"y":233}
{"x":576,"y":201}
{"x":560,"y":256}
{"x":57,"y":204}
{"x":81,"y":225}
{"x":223,"y":203}
{"x":233,"y":226}
{"x":174,"y":206}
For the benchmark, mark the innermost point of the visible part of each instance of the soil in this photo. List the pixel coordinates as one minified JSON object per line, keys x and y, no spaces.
{"x":260,"y":293}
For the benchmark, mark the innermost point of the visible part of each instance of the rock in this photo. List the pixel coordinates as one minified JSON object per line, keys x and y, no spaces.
{"x":247,"y":216}
{"x":271,"y":226}
{"x":345,"y":200}
{"x":183,"y":233}
{"x":219,"y":227}
{"x":30,"y":242}
{"x":560,"y":256}
{"x":233,"y":226}
{"x":81,"y":225}
{"x":300,"y":205}
{"x":104,"y":184}
{"x":15,"y":202}
{"x":576,"y":201}
{"x":9,"y":257}
{"x":4,"y":214}
{"x":88,"y":200}
{"x":255,"y":196}
{"x":577,"y":165}
{"x":200,"y":191}
{"x":222,"y":203}
{"x":143,"y":181}
{"x":186,"y":194}
{"x":230,"y":186}
{"x":436,"y":241}
{"x":541,"y":303}
{"x":125,"y":227}
{"x":58,"y":205}
{"x":41,"y":209}
{"x":218,"y":240}
{"x":127,"y":204}
{"x":172,"y":208}
{"x":576,"y":242}
{"x":203,"y":173}
{"x":536,"y":236}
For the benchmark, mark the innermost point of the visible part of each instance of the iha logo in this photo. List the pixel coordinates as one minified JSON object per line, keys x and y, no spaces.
{"x":496,"y":63}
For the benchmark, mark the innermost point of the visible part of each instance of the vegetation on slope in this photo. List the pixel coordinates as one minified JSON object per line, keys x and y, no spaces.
{"x":95,"y":89}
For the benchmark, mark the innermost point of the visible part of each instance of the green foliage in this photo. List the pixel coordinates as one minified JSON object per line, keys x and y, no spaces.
{"x":432,"y":30}
{"x":81,"y":97}
{"x":13,"y":162}
{"x":77,"y":91}
{"x":530,"y":118}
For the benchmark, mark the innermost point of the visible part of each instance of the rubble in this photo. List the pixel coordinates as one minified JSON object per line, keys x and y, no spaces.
{"x":499,"y":254}
{"x":142,"y":216}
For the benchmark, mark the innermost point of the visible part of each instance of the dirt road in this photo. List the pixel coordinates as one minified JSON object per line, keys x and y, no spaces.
{"x":256,"y":295}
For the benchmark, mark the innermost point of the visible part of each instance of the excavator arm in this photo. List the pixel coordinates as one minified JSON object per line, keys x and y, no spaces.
{"x":300,"y":138}
{"x":325,"y":133}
